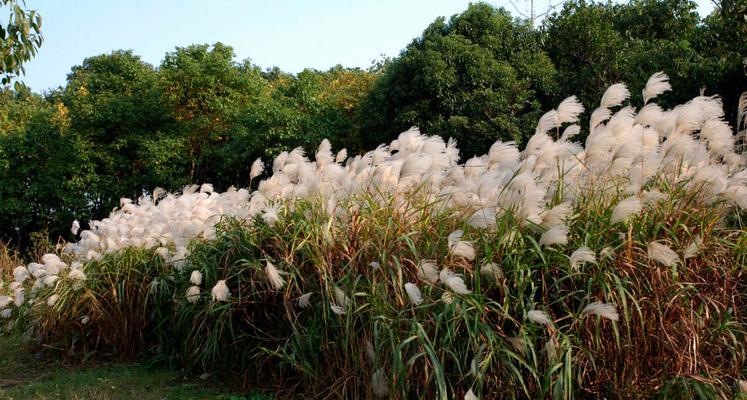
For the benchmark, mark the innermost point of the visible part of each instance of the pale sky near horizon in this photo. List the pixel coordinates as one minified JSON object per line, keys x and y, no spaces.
{"x":289,"y":34}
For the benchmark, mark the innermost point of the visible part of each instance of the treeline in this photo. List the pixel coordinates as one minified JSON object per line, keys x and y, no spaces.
{"x":121,"y":127}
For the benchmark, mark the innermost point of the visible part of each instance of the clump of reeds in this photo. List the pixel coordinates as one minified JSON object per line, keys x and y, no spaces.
{"x":610,"y":269}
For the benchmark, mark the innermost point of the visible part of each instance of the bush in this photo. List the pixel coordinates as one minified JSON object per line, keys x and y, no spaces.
{"x":614,"y":270}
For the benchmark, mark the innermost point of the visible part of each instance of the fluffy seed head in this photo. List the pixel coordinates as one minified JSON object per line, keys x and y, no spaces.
{"x":657,"y":84}
{"x":304,"y":301}
{"x":662,"y":254}
{"x":463,"y":249}
{"x":615,"y":95}
{"x":413,"y":293}
{"x":693,"y":248}
{"x":75,"y":227}
{"x":625,"y":209}
{"x":569,"y":110}
{"x":491,"y":270}
{"x":470,"y":395}
{"x":555,"y":235}
{"x":220,"y":291}
{"x":193,"y":294}
{"x":604,"y":310}
{"x":428,"y":271}
{"x":195,"y":278}
{"x":540,"y":317}
{"x":582,"y":255}
{"x":273,"y":276}
{"x":453,"y":281}
{"x":380,"y":383}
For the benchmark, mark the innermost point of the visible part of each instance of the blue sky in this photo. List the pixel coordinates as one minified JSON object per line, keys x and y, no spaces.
{"x":289,"y":34}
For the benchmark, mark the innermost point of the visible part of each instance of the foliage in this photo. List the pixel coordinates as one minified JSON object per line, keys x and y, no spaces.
{"x":115,"y":108}
{"x":20,"y":39}
{"x":479,"y":77}
{"x":46,"y":176}
{"x":561,"y":271}
{"x":122,"y":128}
{"x":29,"y":376}
{"x":594,"y":45}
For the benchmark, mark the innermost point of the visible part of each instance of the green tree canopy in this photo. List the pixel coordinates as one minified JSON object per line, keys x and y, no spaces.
{"x":594,"y":45}
{"x":45,"y":172}
{"x":116,"y":109}
{"x":20,"y":38}
{"x":479,"y":77}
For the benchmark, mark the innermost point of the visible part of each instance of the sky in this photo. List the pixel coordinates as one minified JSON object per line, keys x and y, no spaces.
{"x":291,"y":35}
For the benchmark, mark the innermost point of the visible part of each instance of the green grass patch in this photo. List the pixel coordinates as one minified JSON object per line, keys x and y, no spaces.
{"x":25,"y":375}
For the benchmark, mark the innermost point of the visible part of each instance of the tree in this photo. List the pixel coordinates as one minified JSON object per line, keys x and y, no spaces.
{"x":20,"y":39}
{"x":594,"y":45}
{"x":479,"y":77}
{"x":117,"y":110}
{"x":208,"y":94}
{"x":45,"y":172}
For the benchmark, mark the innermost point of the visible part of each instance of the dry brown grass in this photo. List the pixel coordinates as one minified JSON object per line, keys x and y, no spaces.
{"x":9,"y":259}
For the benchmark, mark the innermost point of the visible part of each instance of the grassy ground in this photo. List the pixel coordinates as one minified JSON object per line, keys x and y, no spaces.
{"x":26,"y":376}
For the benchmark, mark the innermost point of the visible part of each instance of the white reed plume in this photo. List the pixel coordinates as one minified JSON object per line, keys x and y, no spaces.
{"x":428,"y":271}
{"x":662,"y":254}
{"x":557,"y":215}
{"x":615,"y":95}
{"x":504,"y":156}
{"x":193,"y":294}
{"x":206,"y":188}
{"x":380,"y":383}
{"x":604,"y":310}
{"x":273,"y":275}
{"x":453,"y":281}
{"x":337,"y":309}
{"x":342,"y":155}
{"x":342,"y":298}
{"x":483,"y":218}
{"x":552,"y":348}
{"x":555,"y":235}
{"x":470,"y":395}
{"x":540,"y":317}
{"x":20,"y":274}
{"x":220,"y":291}
{"x":75,"y":227}
{"x":304,"y":301}
{"x":625,"y":209}
{"x":370,"y":352}
{"x":460,"y":248}
{"x":19,"y":297}
{"x":50,"y":280}
{"x":196,"y":278}
{"x":569,"y":110}
{"x":271,"y":215}
{"x":257,"y":168}
{"x":77,"y":275}
{"x":413,"y":293}
{"x":652,"y":197}
{"x":582,"y":255}
{"x":599,"y":115}
{"x":463,"y":249}
{"x":607,"y":253}
{"x":657,"y":84}
{"x":491,"y":270}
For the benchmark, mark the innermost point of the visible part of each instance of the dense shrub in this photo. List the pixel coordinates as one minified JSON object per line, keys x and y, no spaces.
{"x":613,"y":269}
